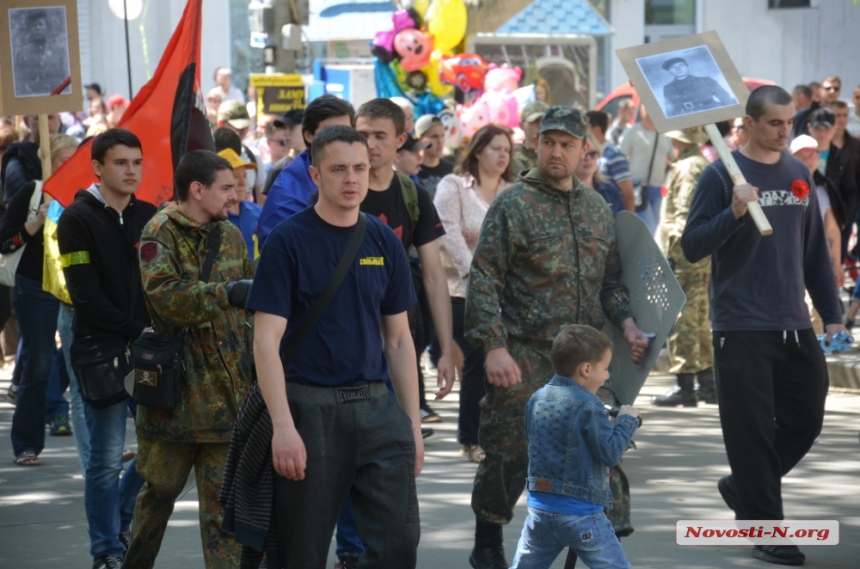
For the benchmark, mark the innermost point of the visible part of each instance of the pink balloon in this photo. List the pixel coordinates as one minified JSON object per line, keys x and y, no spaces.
{"x":504,"y":79}
{"x":414,"y":49}
{"x":503,"y":108}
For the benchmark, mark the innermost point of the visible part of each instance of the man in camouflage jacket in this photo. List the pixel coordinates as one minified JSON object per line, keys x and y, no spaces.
{"x":546,"y":257}
{"x":691,"y":350}
{"x":218,"y":357}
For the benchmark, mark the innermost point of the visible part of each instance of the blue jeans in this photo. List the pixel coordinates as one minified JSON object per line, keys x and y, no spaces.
{"x":108,"y":499}
{"x":58,"y":382}
{"x":79,"y":419}
{"x":546,"y":534}
{"x":37,"y":321}
{"x":651,"y":214}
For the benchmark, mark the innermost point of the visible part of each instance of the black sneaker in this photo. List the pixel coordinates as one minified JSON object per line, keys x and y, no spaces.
{"x":779,"y":554}
{"x":428,"y":415}
{"x":425,"y":433}
{"x":730,"y":497}
{"x":108,"y":562}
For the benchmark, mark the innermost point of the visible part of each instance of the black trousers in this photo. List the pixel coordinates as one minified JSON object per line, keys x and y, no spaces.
{"x":472,"y":386}
{"x":771,"y":387}
{"x":359,"y":444}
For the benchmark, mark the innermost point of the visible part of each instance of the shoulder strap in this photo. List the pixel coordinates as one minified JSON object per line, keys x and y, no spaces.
{"x":35,"y":200}
{"x":213,"y":245}
{"x":328,"y":293}
{"x":653,"y":154}
{"x":410,"y":196}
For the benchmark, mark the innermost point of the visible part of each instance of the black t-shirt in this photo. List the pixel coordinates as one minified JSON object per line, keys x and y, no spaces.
{"x":390,"y":207}
{"x":430,"y":176}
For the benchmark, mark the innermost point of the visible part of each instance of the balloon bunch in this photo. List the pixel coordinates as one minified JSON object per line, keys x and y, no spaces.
{"x":412,"y":50}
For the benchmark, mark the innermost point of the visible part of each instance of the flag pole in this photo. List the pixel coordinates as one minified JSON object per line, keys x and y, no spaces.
{"x":127,"y":48}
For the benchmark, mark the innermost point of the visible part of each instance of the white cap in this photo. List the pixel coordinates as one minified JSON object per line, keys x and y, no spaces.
{"x":803,"y":141}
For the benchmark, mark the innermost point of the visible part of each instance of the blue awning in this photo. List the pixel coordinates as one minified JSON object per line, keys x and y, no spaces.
{"x":339,"y":20}
{"x":557,"y":17}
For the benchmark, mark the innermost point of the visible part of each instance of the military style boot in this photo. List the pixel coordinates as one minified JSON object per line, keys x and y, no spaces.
{"x":489,"y":551}
{"x":684,"y":394}
{"x":707,"y":390}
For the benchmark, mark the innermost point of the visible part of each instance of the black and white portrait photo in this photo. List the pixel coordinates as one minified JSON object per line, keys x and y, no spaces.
{"x":40,"y":51}
{"x":686,"y":81}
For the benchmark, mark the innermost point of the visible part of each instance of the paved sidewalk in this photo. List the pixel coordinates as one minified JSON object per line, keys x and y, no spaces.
{"x":673,"y":476}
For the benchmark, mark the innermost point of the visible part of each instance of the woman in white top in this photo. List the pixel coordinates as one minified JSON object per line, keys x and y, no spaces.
{"x":462,"y":200}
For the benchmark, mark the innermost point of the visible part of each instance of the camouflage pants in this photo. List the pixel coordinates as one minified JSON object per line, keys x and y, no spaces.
{"x":165,"y":465}
{"x":690,"y":343}
{"x":501,"y":476}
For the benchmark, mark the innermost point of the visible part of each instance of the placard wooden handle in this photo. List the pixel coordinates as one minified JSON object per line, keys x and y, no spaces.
{"x":754,"y":208}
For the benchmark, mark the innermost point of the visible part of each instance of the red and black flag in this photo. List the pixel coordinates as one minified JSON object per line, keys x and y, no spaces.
{"x":166,"y":115}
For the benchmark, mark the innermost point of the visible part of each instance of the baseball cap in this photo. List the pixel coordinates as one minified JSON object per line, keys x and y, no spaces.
{"x":801,"y":142}
{"x":565,"y":119}
{"x":670,"y":62}
{"x":413,"y":144}
{"x":822,"y":117}
{"x":290,"y":118}
{"x":691,"y":135}
{"x":235,"y":161}
{"x":533,"y":111}
{"x":116,"y":101}
{"x":425,"y":123}
{"x":235,"y":114}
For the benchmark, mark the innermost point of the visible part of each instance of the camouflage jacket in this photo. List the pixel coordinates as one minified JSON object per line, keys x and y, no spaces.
{"x":545,"y":259}
{"x":681,"y":187}
{"x":219,"y":339}
{"x":525,"y":158}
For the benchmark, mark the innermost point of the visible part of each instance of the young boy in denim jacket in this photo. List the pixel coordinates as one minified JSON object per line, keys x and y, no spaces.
{"x":572,"y":444}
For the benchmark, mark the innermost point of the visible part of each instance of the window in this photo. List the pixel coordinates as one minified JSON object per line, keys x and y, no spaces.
{"x":792,"y":3}
{"x":671,"y":12}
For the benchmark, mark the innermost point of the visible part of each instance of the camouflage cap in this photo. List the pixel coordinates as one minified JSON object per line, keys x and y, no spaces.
{"x":533,"y":111}
{"x":235,"y":114}
{"x":691,"y":135}
{"x":565,"y":119}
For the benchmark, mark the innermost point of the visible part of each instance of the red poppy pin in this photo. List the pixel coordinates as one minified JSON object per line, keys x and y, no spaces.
{"x":800,"y":189}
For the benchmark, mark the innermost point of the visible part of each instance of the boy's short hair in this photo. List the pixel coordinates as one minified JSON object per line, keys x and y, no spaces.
{"x":575,"y":345}
{"x":384,"y":109}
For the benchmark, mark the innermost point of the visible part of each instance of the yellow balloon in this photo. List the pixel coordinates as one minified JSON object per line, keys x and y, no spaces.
{"x":420,"y":6}
{"x":446,"y":22}
{"x":434,"y":85}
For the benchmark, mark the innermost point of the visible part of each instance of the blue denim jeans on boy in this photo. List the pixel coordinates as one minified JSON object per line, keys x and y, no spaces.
{"x":546,"y":534}
{"x":108,"y":499}
{"x":37,"y":321}
{"x":78,"y":416}
{"x":58,"y":382}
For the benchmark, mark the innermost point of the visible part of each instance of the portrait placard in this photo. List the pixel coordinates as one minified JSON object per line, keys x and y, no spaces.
{"x":39,"y":57}
{"x":687,"y":81}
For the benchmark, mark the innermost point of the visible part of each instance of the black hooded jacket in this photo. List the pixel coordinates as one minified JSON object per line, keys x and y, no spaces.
{"x":99,"y":253}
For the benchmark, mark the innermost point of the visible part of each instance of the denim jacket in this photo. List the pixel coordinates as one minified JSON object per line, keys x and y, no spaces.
{"x":572,"y":443}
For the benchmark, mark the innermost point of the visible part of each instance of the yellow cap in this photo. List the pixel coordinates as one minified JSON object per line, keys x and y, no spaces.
{"x":230,"y":155}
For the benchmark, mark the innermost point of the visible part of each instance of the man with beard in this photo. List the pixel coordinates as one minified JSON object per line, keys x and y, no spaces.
{"x":195,"y":271}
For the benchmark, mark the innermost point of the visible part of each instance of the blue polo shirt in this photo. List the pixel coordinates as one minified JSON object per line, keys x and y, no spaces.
{"x":345,"y":346}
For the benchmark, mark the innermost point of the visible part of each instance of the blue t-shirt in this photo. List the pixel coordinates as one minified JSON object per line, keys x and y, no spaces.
{"x":345,"y":346}
{"x":247,"y":221}
{"x":291,"y":192}
{"x":611,"y":195}
{"x":558,"y":504}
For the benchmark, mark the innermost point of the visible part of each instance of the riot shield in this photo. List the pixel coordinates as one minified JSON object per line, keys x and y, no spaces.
{"x":656,"y":300}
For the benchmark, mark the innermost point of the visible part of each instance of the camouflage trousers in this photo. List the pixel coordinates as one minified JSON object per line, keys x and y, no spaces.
{"x":501,"y":476}
{"x":690,"y":343}
{"x":165,"y":466}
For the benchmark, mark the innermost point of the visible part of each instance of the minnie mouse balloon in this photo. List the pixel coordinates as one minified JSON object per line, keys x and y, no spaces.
{"x":414,"y":49}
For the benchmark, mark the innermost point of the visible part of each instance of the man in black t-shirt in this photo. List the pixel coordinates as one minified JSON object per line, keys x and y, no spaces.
{"x":382,"y":122}
{"x":430,"y":129}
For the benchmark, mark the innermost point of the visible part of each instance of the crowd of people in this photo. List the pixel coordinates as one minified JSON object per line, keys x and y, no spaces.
{"x":314,"y":266}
